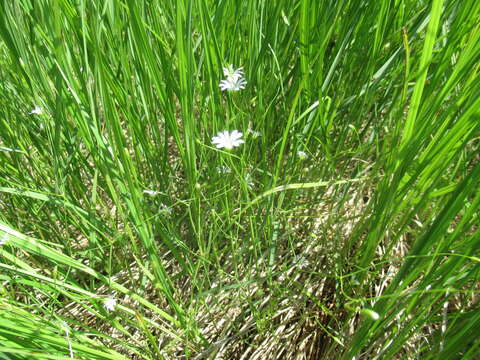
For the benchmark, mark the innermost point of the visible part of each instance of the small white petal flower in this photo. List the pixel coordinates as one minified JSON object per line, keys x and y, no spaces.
{"x":227,"y":140}
{"x":302,"y":155}
{"x":110,"y":303}
{"x":234,"y":81}
{"x":223,"y":169}
{"x":231,"y":84}
{"x":37,"y":110}
{"x":232,"y":73}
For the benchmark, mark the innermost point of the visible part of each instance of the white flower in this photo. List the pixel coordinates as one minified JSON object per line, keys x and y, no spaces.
{"x":228,"y":140}
{"x":223,"y":169}
{"x":234,"y":81}
{"x":110,"y":303}
{"x":302,"y":155}
{"x":232,"y":73}
{"x":231,"y":84}
{"x":37,"y":110}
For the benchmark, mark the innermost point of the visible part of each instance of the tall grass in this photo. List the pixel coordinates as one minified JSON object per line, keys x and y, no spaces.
{"x":345,"y":227}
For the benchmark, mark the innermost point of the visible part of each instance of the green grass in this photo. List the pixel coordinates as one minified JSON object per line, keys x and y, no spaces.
{"x":346,"y":226}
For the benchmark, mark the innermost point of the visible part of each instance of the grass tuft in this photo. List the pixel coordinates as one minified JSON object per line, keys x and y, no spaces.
{"x":239,"y":180}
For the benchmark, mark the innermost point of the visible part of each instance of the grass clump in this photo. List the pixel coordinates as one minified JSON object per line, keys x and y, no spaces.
{"x":239,"y":180}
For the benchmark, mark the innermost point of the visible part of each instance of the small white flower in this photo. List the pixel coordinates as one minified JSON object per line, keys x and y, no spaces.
{"x":110,"y":303}
{"x":223,"y":169}
{"x":37,"y":110}
{"x":227,"y":140}
{"x":234,"y":81}
{"x":232,"y":73}
{"x":302,"y":155}
{"x":231,"y":84}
